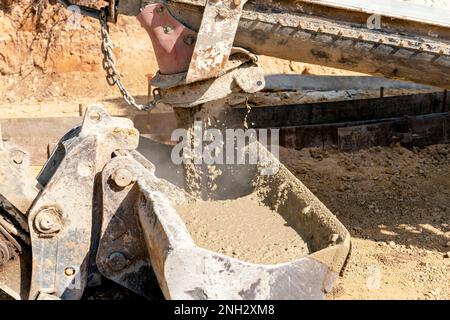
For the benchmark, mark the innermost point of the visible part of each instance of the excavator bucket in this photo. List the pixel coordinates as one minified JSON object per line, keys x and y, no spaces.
{"x":189,"y":265}
{"x":140,"y":220}
{"x":196,"y":266}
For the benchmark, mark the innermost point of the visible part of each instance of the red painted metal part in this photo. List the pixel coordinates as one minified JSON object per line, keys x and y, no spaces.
{"x":173,"y":43}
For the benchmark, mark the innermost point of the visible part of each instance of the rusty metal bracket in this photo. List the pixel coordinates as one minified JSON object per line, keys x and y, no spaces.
{"x":215,"y":39}
{"x":172,"y":42}
{"x":239,"y":57}
{"x":122,"y":254}
{"x":248,"y":78}
{"x":62,"y":220}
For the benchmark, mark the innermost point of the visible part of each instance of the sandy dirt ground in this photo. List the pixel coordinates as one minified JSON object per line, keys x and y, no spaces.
{"x":394,"y":201}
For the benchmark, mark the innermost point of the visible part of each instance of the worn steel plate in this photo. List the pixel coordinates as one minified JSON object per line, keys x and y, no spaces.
{"x":215,"y":39}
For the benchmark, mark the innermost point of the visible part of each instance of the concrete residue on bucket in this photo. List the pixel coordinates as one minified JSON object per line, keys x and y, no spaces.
{"x":244,"y":229}
{"x":225,"y":218}
{"x":243,"y":212}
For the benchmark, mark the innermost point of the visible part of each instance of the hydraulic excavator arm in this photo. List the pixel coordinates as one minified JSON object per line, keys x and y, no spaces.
{"x":209,"y":48}
{"x":395,"y":39}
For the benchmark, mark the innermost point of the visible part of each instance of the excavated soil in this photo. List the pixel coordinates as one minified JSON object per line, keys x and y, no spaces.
{"x":244,"y":229}
{"x":395,"y":203}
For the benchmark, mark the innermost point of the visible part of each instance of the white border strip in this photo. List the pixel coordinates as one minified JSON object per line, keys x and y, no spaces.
{"x":393,"y":8}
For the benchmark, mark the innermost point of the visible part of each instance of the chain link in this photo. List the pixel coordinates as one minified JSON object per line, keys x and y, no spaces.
{"x":109,"y":65}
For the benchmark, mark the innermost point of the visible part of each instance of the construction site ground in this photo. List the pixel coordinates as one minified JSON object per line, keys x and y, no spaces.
{"x":394,"y":201}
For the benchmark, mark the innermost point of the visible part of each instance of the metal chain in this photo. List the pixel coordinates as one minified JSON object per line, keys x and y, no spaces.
{"x":109,"y":65}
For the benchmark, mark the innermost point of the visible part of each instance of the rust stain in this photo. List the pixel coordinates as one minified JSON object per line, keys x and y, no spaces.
{"x":125,"y":131}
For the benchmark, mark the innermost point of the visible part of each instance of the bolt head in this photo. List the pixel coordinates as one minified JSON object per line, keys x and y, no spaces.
{"x":117,"y":261}
{"x":123,"y":178}
{"x":69,"y":271}
{"x":168,"y":29}
{"x":189,"y":40}
{"x":48,"y":221}
{"x":160,"y":10}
